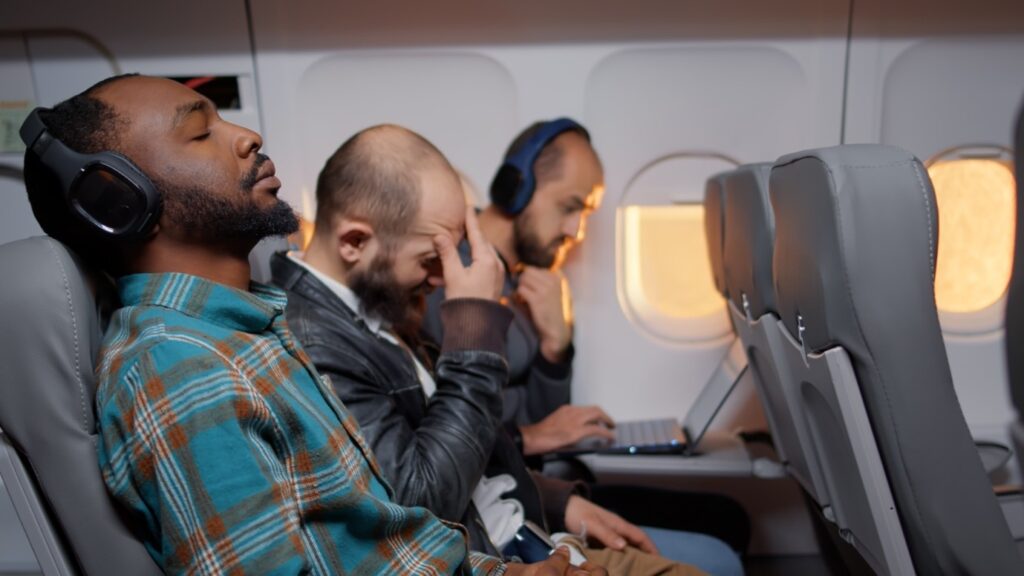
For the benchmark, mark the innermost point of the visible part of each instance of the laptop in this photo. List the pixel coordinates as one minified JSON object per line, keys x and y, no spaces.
{"x":666,"y":435}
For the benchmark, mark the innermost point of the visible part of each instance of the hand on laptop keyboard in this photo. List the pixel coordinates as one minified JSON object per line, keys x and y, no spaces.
{"x":566,"y":426}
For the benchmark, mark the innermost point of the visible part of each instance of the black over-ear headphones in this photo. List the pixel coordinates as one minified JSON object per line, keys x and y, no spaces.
{"x":105,"y":190}
{"x":515,"y":182}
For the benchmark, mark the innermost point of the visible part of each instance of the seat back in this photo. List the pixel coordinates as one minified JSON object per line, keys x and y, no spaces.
{"x":749,"y":239}
{"x":1015,"y":302}
{"x":854,"y":260}
{"x":259,"y":257}
{"x":714,"y":228}
{"x":48,"y":346}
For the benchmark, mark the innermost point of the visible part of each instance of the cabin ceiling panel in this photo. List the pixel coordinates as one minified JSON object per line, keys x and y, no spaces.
{"x":320,"y":24}
{"x":138,"y":29}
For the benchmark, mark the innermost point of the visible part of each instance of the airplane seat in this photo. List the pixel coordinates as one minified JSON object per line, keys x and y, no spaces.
{"x":734,"y":364}
{"x":749,"y":238}
{"x":1015,"y":303}
{"x":259,"y":257}
{"x":854,"y":261}
{"x":53,"y":311}
{"x":714,"y":228}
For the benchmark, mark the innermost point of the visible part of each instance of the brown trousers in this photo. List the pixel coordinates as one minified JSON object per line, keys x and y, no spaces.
{"x":634,"y":562}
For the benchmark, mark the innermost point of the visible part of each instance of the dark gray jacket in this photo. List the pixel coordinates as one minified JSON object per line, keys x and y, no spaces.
{"x":535,"y":387}
{"x":432,"y":453}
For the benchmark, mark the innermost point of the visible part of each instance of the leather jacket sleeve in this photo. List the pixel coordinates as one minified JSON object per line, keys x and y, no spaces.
{"x":536,"y":387}
{"x":555,"y":493}
{"x":437,"y":462}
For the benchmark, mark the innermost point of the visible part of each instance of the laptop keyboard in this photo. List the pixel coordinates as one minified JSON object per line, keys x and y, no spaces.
{"x":647,"y":432}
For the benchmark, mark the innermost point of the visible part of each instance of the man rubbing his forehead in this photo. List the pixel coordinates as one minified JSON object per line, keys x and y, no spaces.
{"x":390,"y":214}
{"x":216,"y":435}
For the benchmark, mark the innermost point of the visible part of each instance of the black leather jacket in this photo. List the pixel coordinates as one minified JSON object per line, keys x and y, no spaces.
{"x":433,"y":454}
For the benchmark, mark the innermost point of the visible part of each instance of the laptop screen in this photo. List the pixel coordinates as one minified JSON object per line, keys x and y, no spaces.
{"x":713,"y":396}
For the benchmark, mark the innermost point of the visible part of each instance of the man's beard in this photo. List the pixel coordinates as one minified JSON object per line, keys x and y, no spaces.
{"x":210,"y":217}
{"x":381,"y":296}
{"x":529,"y":248}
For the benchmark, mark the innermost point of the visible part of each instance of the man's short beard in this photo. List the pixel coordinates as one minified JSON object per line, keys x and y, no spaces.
{"x":380,"y":295}
{"x":529,"y":248}
{"x":210,"y":217}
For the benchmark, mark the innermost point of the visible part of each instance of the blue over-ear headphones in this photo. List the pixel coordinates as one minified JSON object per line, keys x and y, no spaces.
{"x":515,"y":182}
{"x":105,"y":190}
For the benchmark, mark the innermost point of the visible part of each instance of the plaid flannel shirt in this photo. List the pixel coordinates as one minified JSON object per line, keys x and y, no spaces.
{"x":218,"y":435}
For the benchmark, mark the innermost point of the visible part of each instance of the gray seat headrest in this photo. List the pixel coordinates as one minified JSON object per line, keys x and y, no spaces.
{"x":714,"y":226}
{"x":749,"y":238}
{"x":861,"y":209}
{"x":856,"y":234}
{"x":259,"y":257}
{"x":48,"y":346}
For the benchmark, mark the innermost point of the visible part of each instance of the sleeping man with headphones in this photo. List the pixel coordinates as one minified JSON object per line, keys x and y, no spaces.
{"x":549,"y":181}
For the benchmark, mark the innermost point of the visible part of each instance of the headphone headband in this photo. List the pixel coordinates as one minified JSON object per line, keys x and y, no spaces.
{"x":104,"y":190}
{"x":32,"y":129}
{"x":515,"y":182}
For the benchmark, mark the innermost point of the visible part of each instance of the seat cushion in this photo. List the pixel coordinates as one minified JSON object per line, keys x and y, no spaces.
{"x":48,"y":346}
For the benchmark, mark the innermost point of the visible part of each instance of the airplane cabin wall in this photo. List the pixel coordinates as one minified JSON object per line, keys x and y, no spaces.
{"x":691,"y":85}
{"x":751,"y":98}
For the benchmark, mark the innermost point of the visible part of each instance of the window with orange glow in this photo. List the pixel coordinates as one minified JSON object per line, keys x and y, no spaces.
{"x":976,"y":204}
{"x":665,"y":258}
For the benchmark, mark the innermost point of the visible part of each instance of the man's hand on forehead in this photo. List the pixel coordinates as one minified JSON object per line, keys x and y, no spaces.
{"x":484,"y":276}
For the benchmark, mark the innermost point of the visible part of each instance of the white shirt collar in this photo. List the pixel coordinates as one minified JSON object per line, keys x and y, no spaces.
{"x":344,"y":293}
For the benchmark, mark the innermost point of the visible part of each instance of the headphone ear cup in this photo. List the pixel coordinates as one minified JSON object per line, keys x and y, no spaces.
{"x":41,"y":176}
{"x":135,"y":174}
{"x":114,"y":196}
{"x":105,"y":190}
{"x":514,"y":184}
{"x":511,"y":189}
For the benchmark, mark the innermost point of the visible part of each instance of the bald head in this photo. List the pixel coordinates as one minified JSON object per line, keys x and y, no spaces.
{"x":377,"y":176}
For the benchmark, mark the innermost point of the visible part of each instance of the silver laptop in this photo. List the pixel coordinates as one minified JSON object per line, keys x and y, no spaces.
{"x":666,"y":435}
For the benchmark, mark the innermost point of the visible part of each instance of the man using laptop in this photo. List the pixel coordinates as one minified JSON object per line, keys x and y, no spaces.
{"x":390,"y":212}
{"x":217,"y":437}
{"x":549,"y":181}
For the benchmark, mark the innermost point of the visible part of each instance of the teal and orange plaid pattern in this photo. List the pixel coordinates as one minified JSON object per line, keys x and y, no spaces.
{"x":219,"y":437}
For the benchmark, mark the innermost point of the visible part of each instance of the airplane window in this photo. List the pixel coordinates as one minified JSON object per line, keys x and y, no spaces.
{"x":666,"y":260}
{"x":664,"y":273}
{"x":975,"y":192}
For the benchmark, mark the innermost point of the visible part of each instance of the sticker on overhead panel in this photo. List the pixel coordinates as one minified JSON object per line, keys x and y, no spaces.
{"x":12,"y":114}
